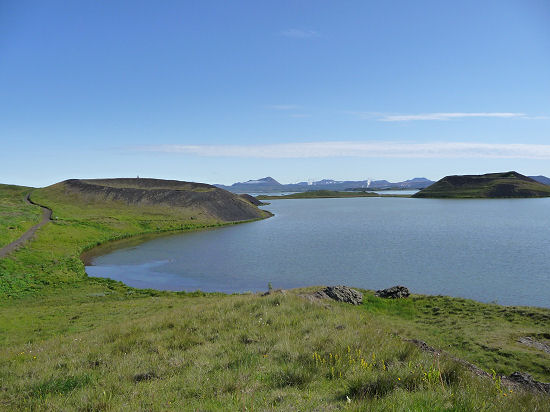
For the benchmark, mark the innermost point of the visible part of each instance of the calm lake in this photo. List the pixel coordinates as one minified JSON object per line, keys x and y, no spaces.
{"x":487,"y":250}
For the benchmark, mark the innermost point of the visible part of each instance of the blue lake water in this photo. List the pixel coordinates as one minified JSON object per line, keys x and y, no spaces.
{"x":487,"y":250}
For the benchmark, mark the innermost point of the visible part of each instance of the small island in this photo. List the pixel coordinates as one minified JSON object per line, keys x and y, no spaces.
{"x":491,"y":185}
{"x":319,"y":194}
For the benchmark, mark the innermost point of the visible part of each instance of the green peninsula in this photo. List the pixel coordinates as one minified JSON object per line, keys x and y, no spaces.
{"x":319,"y":194}
{"x":491,"y":185}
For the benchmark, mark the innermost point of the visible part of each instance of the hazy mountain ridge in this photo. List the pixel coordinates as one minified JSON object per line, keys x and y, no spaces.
{"x":268,"y":184}
{"x":541,"y":179}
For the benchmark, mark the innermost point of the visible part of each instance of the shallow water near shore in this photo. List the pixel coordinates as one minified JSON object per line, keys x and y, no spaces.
{"x":484,"y":249}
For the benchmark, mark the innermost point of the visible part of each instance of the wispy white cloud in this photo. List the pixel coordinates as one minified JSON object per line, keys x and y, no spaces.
{"x":446,"y":116}
{"x":386,"y":117}
{"x":361,"y":149}
{"x":299,"y":33}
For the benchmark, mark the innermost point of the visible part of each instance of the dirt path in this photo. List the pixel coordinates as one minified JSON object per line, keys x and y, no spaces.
{"x":46,"y":217}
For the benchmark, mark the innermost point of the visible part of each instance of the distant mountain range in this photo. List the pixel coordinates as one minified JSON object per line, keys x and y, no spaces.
{"x":541,"y":179}
{"x":268,"y":184}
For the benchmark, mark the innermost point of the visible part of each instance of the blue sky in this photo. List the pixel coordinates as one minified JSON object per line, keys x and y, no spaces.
{"x":219,"y":92}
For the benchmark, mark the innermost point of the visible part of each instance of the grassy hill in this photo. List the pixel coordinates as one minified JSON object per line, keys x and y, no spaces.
{"x":101,"y":346}
{"x":492,"y":185}
{"x":70,"y":342}
{"x":89,"y":213}
{"x":150,"y":197}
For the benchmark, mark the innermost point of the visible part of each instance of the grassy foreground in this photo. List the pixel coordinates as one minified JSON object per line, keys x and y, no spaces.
{"x":110,"y":348}
{"x":69,"y":342}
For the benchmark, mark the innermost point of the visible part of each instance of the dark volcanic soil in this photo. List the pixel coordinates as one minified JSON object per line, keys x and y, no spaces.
{"x":466,"y":180}
{"x":216,"y":203}
{"x":491,"y":185}
{"x":252,"y":199}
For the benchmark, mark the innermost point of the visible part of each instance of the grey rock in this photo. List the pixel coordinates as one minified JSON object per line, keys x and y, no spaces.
{"x":342,"y":294}
{"x":144,"y":376}
{"x":526,"y":380}
{"x":529,"y":341}
{"x":395,"y":292}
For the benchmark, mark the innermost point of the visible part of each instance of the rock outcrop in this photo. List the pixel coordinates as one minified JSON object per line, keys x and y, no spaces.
{"x":341,"y":294}
{"x":527,"y":382}
{"x":395,"y":292}
{"x":516,"y":381}
{"x":529,"y":341}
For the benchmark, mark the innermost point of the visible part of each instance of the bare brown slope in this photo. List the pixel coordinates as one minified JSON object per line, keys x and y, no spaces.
{"x":251,"y":199}
{"x":217,"y":203}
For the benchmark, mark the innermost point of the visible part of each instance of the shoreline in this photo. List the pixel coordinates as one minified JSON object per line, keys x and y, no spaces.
{"x":134,"y":240}
{"x":86,"y":254}
{"x":109,"y":246}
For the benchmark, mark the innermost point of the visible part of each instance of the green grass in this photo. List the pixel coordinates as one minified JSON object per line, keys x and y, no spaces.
{"x":109,"y":349}
{"x":69,"y":342}
{"x":484,"y":334}
{"x":16,"y":216}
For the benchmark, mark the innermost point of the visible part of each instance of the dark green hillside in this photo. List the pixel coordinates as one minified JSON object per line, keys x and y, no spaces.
{"x":154,"y":196}
{"x":491,"y":185}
